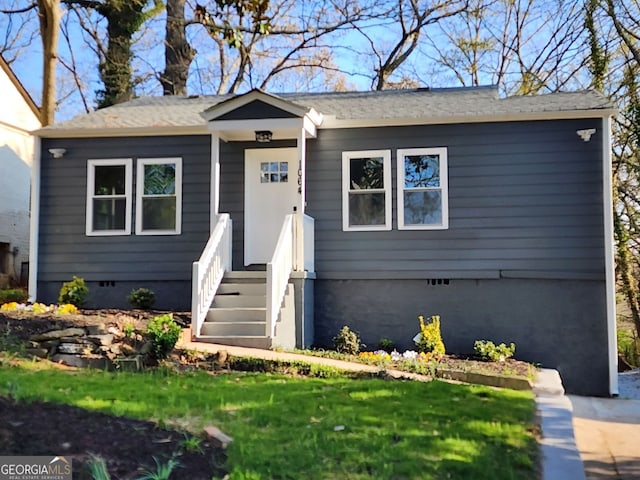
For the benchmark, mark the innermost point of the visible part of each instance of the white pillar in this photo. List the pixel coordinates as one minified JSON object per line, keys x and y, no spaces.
{"x":215,"y":181}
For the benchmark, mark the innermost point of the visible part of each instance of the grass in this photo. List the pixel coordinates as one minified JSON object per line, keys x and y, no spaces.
{"x":321,"y":428}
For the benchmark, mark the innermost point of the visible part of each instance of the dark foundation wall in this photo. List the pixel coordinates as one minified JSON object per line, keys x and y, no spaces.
{"x":170,"y":295}
{"x":559,"y":324}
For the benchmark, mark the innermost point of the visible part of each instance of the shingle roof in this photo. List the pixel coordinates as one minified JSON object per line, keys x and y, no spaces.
{"x":430,"y":105}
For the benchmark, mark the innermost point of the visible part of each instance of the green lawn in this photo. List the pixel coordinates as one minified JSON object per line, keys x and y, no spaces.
{"x":315,"y":428}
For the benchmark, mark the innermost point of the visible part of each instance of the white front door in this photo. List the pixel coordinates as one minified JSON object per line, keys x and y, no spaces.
{"x":270,"y":193}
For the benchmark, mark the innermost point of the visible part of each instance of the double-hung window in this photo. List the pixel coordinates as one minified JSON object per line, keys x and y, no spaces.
{"x":109,"y":184}
{"x":159,"y":196}
{"x":366,"y":190}
{"x":422,"y":189}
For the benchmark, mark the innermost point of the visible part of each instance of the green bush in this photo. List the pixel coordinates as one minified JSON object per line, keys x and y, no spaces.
{"x":629,"y":347}
{"x":13,"y":295}
{"x":164,"y":333}
{"x":386,"y":344}
{"x":429,"y":339}
{"x":489,"y":351}
{"x":142,"y":298}
{"x":347,"y":341}
{"x":74,"y":292}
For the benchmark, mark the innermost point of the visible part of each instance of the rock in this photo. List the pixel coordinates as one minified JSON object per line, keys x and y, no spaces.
{"x":56,"y":334}
{"x":97,"y":362}
{"x":106,"y":339}
{"x":96,"y":329}
{"x":75,"y":348}
{"x":146,"y":348}
{"x":37,"y":352}
{"x":129,"y":364}
{"x":115,"y":348}
{"x":218,"y":437}
{"x":127,"y":349}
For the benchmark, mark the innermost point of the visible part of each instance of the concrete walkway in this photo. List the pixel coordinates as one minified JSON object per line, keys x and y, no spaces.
{"x":607,"y":431}
{"x":560,"y":457}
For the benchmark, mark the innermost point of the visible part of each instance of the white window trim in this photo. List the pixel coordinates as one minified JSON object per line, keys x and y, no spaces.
{"x":140,"y":190}
{"x":91,"y":164}
{"x":346,"y":157}
{"x":444,"y":186}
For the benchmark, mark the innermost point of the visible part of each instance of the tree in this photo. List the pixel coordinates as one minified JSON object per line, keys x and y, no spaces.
{"x":178,"y":52}
{"x":49,"y":15}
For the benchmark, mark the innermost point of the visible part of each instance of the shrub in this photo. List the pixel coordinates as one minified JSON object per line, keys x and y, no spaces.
{"x":386,"y":344}
{"x":489,"y":351}
{"x":74,"y":292}
{"x":17,"y":295}
{"x":629,"y":347}
{"x":164,"y":333}
{"x":347,"y":341}
{"x":429,"y":339}
{"x":142,"y":298}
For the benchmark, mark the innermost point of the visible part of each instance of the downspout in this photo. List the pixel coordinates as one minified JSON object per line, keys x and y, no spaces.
{"x":609,"y":258}
{"x":34,"y":224}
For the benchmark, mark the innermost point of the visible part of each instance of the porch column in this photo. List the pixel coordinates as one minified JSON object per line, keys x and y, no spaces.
{"x":301,"y":204}
{"x":214,"y":208}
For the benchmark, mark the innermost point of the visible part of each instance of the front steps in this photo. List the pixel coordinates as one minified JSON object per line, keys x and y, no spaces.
{"x":239,"y":311}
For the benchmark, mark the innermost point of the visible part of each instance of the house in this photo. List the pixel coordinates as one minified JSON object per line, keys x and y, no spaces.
{"x":18,"y":117}
{"x":280,"y":218}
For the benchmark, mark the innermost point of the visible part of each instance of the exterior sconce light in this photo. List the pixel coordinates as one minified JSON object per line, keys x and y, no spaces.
{"x":263,"y":136}
{"x":585,"y":135}
{"x":57,"y":152}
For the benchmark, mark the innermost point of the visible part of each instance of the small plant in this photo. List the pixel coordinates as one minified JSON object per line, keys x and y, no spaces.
{"x":17,"y":295}
{"x":489,"y":351}
{"x":347,"y":341}
{"x":142,"y":298}
{"x":191,"y":444}
{"x":129,"y":329}
{"x":162,"y":471}
{"x":386,"y":344}
{"x":629,"y":347}
{"x":98,"y":468}
{"x":164,"y":333}
{"x":429,"y":340}
{"x":74,"y":292}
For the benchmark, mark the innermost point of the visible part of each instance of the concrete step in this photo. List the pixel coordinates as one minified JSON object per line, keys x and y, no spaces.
{"x":244,"y":277}
{"x":239,"y":341}
{"x":233,"y":329}
{"x":242,"y":289}
{"x":239,"y":301}
{"x":237,"y":315}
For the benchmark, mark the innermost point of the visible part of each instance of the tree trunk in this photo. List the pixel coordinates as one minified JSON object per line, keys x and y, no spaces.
{"x":178,"y":53}
{"x":49,"y":15}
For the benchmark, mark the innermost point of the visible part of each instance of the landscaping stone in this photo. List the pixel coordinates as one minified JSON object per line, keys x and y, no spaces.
{"x":96,"y":329}
{"x":84,"y":361}
{"x":218,"y":437}
{"x":56,"y":334}
{"x":75,"y":348}
{"x":37,"y":352}
{"x":103,"y":339}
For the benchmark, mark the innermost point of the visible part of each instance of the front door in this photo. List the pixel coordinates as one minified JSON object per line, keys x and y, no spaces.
{"x":270,"y":193}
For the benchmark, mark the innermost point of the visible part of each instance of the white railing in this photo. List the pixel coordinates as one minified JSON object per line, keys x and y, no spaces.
{"x":209,"y":270}
{"x":278,"y":272}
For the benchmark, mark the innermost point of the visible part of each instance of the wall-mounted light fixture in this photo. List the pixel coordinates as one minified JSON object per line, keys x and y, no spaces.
{"x":585,"y":135}
{"x":57,"y":152}
{"x":263,"y":136}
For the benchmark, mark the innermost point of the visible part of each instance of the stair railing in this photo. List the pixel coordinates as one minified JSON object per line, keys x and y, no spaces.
{"x":208,"y":271}
{"x":278,"y":272}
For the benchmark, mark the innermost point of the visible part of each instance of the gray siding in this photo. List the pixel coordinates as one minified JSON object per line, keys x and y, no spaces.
{"x":64,"y":248}
{"x":525,"y":200}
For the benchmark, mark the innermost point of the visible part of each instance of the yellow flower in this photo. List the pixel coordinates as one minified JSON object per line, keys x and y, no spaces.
{"x":9,"y":306}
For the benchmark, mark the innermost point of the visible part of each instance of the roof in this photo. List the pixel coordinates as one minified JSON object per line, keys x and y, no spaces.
{"x":23,"y":91}
{"x":182,"y":115}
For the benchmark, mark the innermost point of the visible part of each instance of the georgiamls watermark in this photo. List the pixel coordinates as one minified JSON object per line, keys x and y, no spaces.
{"x":35,"y":468}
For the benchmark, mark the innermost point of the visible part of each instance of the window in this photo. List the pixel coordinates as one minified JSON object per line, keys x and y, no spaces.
{"x":159,"y":196}
{"x":274,"y":172}
{"x":366,"y":190}
{"x":422,"y":189}
{"x":109,"y":197}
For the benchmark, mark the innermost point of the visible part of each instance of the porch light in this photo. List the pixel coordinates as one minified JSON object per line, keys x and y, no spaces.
{"x":263,"y":136}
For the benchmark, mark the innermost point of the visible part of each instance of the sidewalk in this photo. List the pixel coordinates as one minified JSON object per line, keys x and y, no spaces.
{"x":607,"y":432}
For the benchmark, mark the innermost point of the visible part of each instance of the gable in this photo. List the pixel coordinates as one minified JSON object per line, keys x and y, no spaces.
{"x":255,"y":110}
